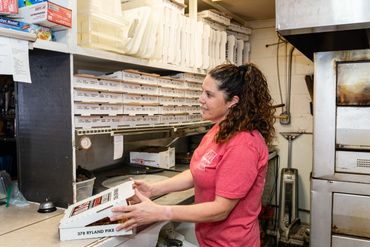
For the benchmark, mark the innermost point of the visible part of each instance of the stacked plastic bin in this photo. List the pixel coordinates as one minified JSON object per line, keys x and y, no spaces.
{"x":101,"y":25}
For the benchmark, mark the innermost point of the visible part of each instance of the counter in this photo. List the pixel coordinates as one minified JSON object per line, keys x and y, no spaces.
{"x":24,"y":226}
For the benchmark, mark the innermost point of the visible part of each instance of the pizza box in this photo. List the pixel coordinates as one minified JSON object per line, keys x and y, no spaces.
{"x":89,"y":218}
{"x":161,"y":157}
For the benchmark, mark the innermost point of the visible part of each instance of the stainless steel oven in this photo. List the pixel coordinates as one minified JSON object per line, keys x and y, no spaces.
{"x":342,"y":116}
{"x":340,"y":185}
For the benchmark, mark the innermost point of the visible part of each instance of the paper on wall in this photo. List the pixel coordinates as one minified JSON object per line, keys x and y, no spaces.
{"x":118,"y":146}
{"x":5,"y":57}
{"x":14,"y":59}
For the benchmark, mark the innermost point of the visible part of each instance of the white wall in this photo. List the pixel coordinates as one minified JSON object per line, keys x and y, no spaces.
{"x":301,"y":119}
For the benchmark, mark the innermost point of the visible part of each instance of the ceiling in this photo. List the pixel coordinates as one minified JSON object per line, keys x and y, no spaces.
{"x":248,"y":10}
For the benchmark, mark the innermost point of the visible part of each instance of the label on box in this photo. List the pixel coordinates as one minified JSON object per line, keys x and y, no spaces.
{"x":89,"y":218}
{"x":59,"y":15}
{"x":8,"y":7}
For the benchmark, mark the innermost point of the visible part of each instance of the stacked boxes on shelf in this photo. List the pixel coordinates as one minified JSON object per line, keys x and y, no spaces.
{"x":130,"y":98}
{"x":159,"y":30}
{"x":45,"y":13}
{"x":215,"y":37}
{"x":100,"y":25}
{"x":38,"y":17}
{"x":228,"y":40}
{"x":238,"y":48}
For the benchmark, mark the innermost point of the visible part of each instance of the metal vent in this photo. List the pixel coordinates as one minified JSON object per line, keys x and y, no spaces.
{"x":363,"y":163}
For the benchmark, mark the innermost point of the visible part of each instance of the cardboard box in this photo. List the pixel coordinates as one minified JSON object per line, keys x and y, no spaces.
{"x":154,"y":156}
{"x":23,"y":3}
{"x":8,"y":7}
{"x":89,"y":218}
{"x":43,"y":33}
{"x":47,"y":14}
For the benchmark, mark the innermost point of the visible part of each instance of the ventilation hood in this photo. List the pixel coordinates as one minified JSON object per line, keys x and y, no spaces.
{"x":324,"y":25}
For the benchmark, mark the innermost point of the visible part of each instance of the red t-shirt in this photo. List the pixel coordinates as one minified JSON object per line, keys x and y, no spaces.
{"x":235,"y":169}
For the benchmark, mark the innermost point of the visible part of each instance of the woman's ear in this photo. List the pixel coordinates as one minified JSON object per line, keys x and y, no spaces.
{"x":234,"y":100}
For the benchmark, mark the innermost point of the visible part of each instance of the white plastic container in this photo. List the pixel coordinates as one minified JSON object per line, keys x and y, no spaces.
{"x":133,"y":110}
{"x":88,"y":109}
{"x":107,"y":7}
{"x":84,"y":189}
{"x":172,"y":101}
{"x":97,"y":96}
{"x":140,"y":99}
{"x":136,"y":121}
{"x":103,"y":32}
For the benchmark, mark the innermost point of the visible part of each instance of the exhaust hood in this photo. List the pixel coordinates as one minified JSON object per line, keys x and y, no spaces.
{"x":324,"y":25}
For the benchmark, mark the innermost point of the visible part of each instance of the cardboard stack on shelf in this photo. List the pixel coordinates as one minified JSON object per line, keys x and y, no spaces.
{"x":238,"y":48}
{"x":37,"y":17}
{"x":227,"y":40}
{"x":131,"y":98}
{"x":100,"y":25}
{"x":215,"y":37}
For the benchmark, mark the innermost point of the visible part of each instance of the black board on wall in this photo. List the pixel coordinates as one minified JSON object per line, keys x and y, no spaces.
{"x":44,"y":129}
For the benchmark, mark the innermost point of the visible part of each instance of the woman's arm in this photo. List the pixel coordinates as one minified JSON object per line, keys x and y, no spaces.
{"x":216,"y":210}
{"x":179,"y":182}
{"x":147,"y":212}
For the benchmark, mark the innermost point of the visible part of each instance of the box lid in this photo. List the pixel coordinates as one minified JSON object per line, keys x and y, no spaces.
{"x":96,"y":207}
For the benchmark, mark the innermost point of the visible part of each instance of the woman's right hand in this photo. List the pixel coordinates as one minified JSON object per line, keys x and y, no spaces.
{"x":144,"y":188}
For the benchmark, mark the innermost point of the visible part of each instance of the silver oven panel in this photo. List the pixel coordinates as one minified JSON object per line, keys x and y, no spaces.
{"x":353,"y":127}
{"x":351,"y":215}
{"x":353,"y":162}
{"x":345,"y":241}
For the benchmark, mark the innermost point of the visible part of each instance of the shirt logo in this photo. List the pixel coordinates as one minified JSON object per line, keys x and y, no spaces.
{"x":207,"y":159}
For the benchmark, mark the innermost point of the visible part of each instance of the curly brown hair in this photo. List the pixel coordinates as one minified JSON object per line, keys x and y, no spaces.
{"x":254,"y":111}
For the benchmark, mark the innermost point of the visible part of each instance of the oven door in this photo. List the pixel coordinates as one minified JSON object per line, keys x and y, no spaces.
{"x":339,"y":211}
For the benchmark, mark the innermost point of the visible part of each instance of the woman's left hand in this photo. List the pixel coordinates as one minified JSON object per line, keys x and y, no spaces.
{"x":143,"y":213}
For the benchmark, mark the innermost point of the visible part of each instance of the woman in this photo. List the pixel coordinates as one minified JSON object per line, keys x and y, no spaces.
{"x":227,"y":169}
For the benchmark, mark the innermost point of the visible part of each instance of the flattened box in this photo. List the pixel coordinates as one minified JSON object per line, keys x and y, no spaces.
{"x":89,"y":218}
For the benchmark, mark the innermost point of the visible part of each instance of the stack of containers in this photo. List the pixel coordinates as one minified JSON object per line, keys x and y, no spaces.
{"x":193,"y":90}
{"x":101,"y":25}
{"x":176,"y":34}
{"x":97,"y":102}
{"x":131,"y":98}
{"x":215,"y":37}
{"x":238,"y":49}
{"x":156,"y":33}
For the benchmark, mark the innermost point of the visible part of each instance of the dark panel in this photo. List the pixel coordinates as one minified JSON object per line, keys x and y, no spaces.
{"x":44,"y":129}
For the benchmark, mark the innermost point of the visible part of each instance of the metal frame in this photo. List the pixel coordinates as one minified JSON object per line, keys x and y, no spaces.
{"x":183,"y":129}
